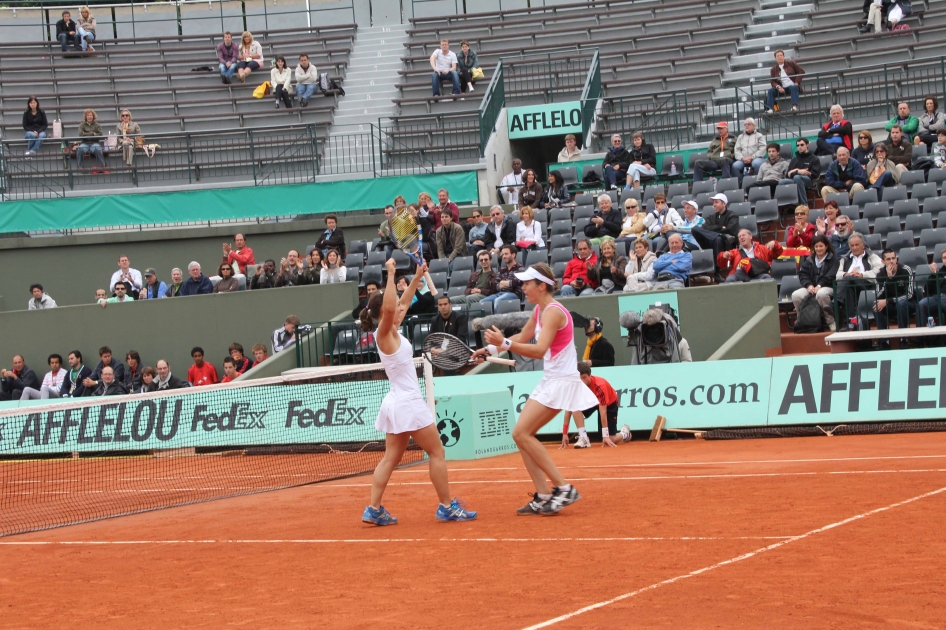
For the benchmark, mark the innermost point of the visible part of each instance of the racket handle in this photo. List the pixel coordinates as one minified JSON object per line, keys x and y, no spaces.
{"x":501,"y":361}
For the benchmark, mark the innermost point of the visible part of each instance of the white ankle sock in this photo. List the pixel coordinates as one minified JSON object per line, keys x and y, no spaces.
{"x":545,"y":497}
{"x":583,"y":433}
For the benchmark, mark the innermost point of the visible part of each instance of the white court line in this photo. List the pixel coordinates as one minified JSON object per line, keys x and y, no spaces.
{"x":744,"y":556}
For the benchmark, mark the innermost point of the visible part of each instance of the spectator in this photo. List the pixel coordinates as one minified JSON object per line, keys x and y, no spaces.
{"x":280,"y":77}
{"x":228,"y":56}
{"x":333,"y":270}
{"x":576,"y":281}
{"x":121,"y":295}
{"x":40,"y":301}
{"x":227,"y":283}
{"x":482,"y":282}
{"x":773,"y":170}
{"x":132,"y":377}
{"x":166,"y":380}
{"x":153,"y":289}
{"x":864,"y":151}
{"x":147,"y":382}
{"x":265,"y":277}
{"x":528,"y":230}
{"x":307,"y":80}
{"x":127,"y":274}
{"x":443,"y":197}
{"x":241,"y":362}
{"x":449,"y":321}
{"x":444,"y":64}
{"x":105,"y":361}
{"x":908,"y":123}
{"x":691,"y":220}
{"x":802,"y":232}
{"x":240,"y":255}
{"x":899,"y":150}
{"x":475,"y":239}
{"x":197,"y":284}
{"x":466,"y":63}
{"x":608,"y":272}
{"x":671,"y":270}
{"x":931,"y":122}
{"x":638,"y":267}
{"x":35,"y":126}
{"x":251,"y":58}
{"x":571,"y":152}
{"x":720,"y":156}
{"x":426,"y":206}
{"x":229,"y":370}
{"x":844,"y":175}
{"x":91,"y":133}
{"x":129,"y":136}
{"x":425,"y":300}
{"x":882,"y":173}
{"x":201,"y":373}
{"x":109,"y":385}
{"x":643,"y":161}
{"x":451,"y":239}
{"x":313,"y":273}
{"x":52,"y":382}
{"x":511,"y":183}
{"x":720,"y":228}
{"x":66,"y":30}
{"x":384,"y":232}
{"x":531,"y":192}
{"x":894,"y":293}
{"x":844,"y":229}
{"x":786,"y":76}
{"x":934,"y":304}
{"x":856,"y":273}
{"x":500,"y":230}
{"x":259,"y":353}
{"x":750,"y":150}
{"x":939,"y":149}
{"x":333,"y":237}
{"x":661,"y":221}
{"x":615,"y":163}
{"x":423,"y":215}
{"x":605,"y":222}
{"x":100,"y":294}
{"x":741,"y":263}
{"x":73,"y":386}
{"x":507,"y":285}
{"x":633,"y":225}
{"x":285,"y":336}
{"x":86,"y":29}
{"x":598,"y":351}
{"x":291,"y":270}
{"x":371,"y":287}
{"x":826,"y":225}
{"x":177,"y":281}
{"x":556,"y":194}
{"x":803,"y":170}
{"x":835,"y":133}
{"x":816,"y":274}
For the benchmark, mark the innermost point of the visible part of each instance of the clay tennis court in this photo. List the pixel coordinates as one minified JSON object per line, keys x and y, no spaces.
{"x":842,"y":532}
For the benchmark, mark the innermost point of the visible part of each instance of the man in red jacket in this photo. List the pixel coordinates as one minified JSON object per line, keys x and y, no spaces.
{"x":739,"y":262}
{"x":786,"y":79}
{"x":576,"y":281}
{"x":238,"y":254}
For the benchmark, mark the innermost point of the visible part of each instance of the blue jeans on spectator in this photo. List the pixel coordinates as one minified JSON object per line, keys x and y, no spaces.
{"x":568,"y":291}
{"x":614,"y":176}
{"x":81,"y":33}
{"x":306,"y":90}
{"x":884,"y":181}
{"x":94,"y":148}
{"x":64,"y":41}
{"x":903,"y":309}
{"x":803,"y":183}
{"x":773,"y":94}
{"x":739,"y":166}
{"x":35,"y":140}
{"x":451,"y":75}
{"x":228,"y":72}
{"x":499,"y":297}
{"x":933,"y":306}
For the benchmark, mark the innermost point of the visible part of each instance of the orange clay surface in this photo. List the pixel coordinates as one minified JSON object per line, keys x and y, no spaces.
{"x":841,"y":532}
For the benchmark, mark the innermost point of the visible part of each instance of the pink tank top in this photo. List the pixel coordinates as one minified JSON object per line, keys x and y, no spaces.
{"x":561,"y":360}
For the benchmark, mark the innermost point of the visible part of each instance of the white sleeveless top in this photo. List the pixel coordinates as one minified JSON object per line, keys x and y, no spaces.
{"x":404,"y":408}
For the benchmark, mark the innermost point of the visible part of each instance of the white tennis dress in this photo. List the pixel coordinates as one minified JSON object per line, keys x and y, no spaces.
{"x":403,"y":408}
{"x":561,"y":386}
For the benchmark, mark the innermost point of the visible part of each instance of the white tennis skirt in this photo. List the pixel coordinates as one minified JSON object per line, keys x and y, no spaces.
{"x":401,"y":414}
{"x":566,"y":394}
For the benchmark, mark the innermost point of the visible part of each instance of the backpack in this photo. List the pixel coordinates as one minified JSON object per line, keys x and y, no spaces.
{"x":324,"y":83}
{"x":809,"y":317}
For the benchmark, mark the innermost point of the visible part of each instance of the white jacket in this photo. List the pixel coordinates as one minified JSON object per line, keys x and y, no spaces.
{"x":531,"y":233}
{"x":653,"y":222}
{"x":309,"y":76}
{"x":283,"y":78}
{"x":750,"y":146}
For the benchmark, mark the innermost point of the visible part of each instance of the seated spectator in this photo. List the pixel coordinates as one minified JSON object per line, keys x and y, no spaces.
{"x":803,"y":170}
{"x":333,"y":237}
{"x":844,"y":175}
{"x":939,"y":149}
{"x":147,"y":382}
{"x":106,"y":360}
{"x":100,"y":294}
{"x":129,"y":137}
{"x":126,"y":274}
{"x":557,"y":193}
{"x":259,"y":353}
{"x":571,"y":152}
{"x":444,"y":203}
{"x":908,"y":123}
{"x":633,"y":226}
{"x":691,"y":220}
{"x":333,"y":269}
{"x":931,"y":122}
{"x":73,"y":386}
{"x":241,"y":362}
{"x":153,"y":289}
{"x":86,"y":29}
{"x":201,"y":373}
{"x":444,"y":64}
{"x":773,"y":170}
{"x":882,"y":173}
{"x":671,"y":270}
{"x":899,"y":150}
{"x":894,"y":294}
{"x":109,"y":385}
{"x":449,"y":321}
{"x":720,"y":156}
{"x":528,"y":230}
{"x":826,"y":226}
{"x":371,"y":287}
{"x":177,"y":280}
{"x":816,"y":274}
{"x":251,"y":58}
{"x":66,"y":31}
{"x":751,"y":261}
{"x":605,"y":222}
{"x":425,"y":299}
{"x":197,"y":284}
{"x":615,"y":163}
{"x":280,"y":77}
{"x":121,"y":295}
{"x":576,"y":281}
{"x":835,"y":133}
{"x":285,"y":336}
{"x":227,"y":283}
{"x":265,"y":277}
{"x":307,"y":80}
{"x":500,"y":231}
{"x":228,"y":56}
{"x":864,"y":151}
{"x":451,"y":239}
{"x":801,"y":233}
{"x":643,"y":161}
{"x":531,"y":192}
{"x":786,"y":76}
{"x":52,"y":382}
{"x":844,"y":228}
{"x":856,"y":273}
{"x":934,"y":304}
{"x":481,"y":282}
{"x":133,"y":368}
{"x":240,"y":255}
{"x":608,"y":272}
{"x":475,"y":239}
{"x":291,"y":270}
{"x":720,"y":228}
{"x":229,"y":370}
{"x":166,"y":380}
{"x":511,"y":183}
{"x":90,"y":132}
{"x":507,"y":286}
{"x":35,"y":126}
{"x":661,"y":221}
{"x":40,"y":300}
{"x":313,"y":272}
{"x":749,"y":153}
{"x":424,"y":215}
{"x":384,"y":233}
{"x":18,"y":379}
{"x":467,"y":61}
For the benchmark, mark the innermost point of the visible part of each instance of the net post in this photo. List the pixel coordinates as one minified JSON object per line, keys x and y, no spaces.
{"x":429,"y":388}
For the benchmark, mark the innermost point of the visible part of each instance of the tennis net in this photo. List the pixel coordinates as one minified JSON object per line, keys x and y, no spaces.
{"x":87,"y":459}
{"x":862,"y":428}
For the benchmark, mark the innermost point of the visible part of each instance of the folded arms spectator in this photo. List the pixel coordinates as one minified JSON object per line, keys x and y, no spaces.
{"x":451,"y":239}
{"x":607,"y":222}
{"x":531,"y":192}
{"x":35,"y":126}
{"x":773,"y":170}
{"x":615,"y":163}
{"x":899,"y":150}
{"x":720,"y":229}
{"x":333,"y":237}
{"x":671,"y":270}
{"x":18,"y":379}
{"x":835,"y":133}
{"x":227,"y":283}
{"x":40,"y":301}
{"x":816,"y":274}
{"x":556,"y":194}
{"x":307,"y":80}
{"x":129,"y":137}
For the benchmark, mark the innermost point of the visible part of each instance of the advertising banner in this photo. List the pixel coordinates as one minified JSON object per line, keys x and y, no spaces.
{"x":476,"y":425}
{"x":552,"y":119}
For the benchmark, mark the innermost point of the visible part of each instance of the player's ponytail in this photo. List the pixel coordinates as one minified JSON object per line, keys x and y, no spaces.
{"x":371,"y":313}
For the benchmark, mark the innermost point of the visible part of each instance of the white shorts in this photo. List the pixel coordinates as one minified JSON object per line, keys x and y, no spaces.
{"x":566,"y":394}
{"x":402,"y":415}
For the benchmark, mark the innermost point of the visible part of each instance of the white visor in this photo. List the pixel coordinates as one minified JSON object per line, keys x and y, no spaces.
{"x":532,"y":274}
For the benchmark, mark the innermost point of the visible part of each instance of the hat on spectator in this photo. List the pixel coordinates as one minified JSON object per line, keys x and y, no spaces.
{"x":722,"y":123}
{"x":721,"y":197}
{"x":691,"y":202}
{"x":150,"y":272}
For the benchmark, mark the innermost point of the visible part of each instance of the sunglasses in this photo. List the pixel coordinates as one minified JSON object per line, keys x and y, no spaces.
{"x":632,"y":205}
{"x":126,"y":115}
{"x":801,"y":214}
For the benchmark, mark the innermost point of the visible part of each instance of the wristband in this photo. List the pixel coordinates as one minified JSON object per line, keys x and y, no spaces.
{"x":492,"y":349}
{"x":604,"y":432}
{"x":507,"y":344}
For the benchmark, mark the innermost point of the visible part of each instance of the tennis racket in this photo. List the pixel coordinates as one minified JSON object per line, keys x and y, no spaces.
{"x":407,"y":234}
{"x":449,"y":353}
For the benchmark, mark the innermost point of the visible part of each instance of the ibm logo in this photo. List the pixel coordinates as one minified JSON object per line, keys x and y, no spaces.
{"x":494,"y":423}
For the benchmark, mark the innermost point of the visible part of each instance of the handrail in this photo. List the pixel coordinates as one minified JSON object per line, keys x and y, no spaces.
{"x":494,"y":99}
{"x":590,"y":94}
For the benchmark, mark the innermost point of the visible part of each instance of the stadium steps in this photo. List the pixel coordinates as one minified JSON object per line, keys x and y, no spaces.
{"x":775,"y":25}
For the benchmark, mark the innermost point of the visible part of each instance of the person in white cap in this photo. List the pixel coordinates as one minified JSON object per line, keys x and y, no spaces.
{"x":720,"y":229}
{"x":691,"y":220}
{"x":560,"y":389}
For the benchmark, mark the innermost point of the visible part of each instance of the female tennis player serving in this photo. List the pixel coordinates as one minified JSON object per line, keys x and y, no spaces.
{"x":404,"y":414}
{"x":560,"y":388}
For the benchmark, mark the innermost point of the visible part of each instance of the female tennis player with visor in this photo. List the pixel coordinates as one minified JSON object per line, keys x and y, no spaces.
{"x":404,"y":413}
{"x":560,"y":389}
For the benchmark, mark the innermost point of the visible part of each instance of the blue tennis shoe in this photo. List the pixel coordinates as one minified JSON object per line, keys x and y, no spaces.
{"x":455,"y":512}
{"x":378,"y":517}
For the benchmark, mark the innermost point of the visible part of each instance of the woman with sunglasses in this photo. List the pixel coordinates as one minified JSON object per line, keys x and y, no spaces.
{"x":881,"y":172}
{"x":801,"y":233}
{"x":128,"y":134}
{"x":227,"y":282}
{"x":864,"y":151}
{"x":633,"y":225}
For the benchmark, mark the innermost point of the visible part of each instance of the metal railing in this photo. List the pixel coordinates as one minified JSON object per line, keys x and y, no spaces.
{"x":856,"y":303}
{"x":437,"y":140}
{"x":545,"y":76}
{"x":490,"y":107}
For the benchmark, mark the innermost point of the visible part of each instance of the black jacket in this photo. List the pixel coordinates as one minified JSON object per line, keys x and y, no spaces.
{"x":809,"y":161}
{"x":810,"y":276}
{"x":27,"y":378}
{"x":646,"y":154}
{"x":725,"y":223}
{"x":506,"y":233}
{"x":173,"y":383}
{"x":620,"y":158}
{"x":63,"y":27}
{"x":35,"y":122}
{"x":115,"y":389}
{"x":602,"y":354}
{"x":117,"y":367}
{"x":896,"y":287}
{"x":132,"y":381}
{"x":455,"y":325}
{"x":146,"y":389}
{"x":78,"y":389}
{"x":356,"y":312}
{"x":425,"y":303}
{"x":335,"y":241}
{"x":264,"y":280}
{"x":610,"y":227}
